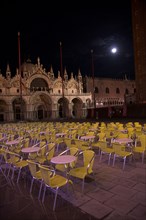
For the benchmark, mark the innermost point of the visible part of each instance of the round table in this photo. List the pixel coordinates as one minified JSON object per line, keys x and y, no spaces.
{"x":63,"y":159}
{"x":123,"y":140}
{"x":87,"y":137}
{"x":12,"y":142}
{"x":30,"y":149}
{"x":60,"y":134}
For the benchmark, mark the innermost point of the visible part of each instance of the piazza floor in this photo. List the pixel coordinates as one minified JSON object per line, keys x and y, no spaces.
{"x":116,"y":194}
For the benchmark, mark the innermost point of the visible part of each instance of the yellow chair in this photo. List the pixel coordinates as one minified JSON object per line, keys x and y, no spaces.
{"x":120,"y":151}
{"x":104,"y":149}
{"x":142,"y":148}
{"x":17,"y":164}
{"x":72,"y":151}
{"x":82,"y":145}
{"x":52,"y":181}
{"x":87,"y":168}
{"x":50,"y":152}
{"x":7,"y":160}
{"x":35,"y":173}
{"x":68,"y":142}
{"x":41,"y":154}
{"x":101,"y":136}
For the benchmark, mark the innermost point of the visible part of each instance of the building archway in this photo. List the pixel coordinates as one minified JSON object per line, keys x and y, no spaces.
{"x":63,"y":108}
{"x":42,"y":106}
{"x":3,"y":110}
{"x":77,"y":108}
{"x":19,"y":109}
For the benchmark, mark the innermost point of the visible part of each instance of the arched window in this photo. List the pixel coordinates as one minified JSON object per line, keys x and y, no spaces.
{"x":117,"y":90}
{"x":0,"y":90}
{"x":126,"y":91}
{"x":107,"y":90}
{"x":96,"y":90}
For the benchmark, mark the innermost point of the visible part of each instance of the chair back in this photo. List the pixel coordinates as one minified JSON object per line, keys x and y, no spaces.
{"x":68,"y":142}
{"x":46,"y":174}
{"x":42,"y":151}
{"x":102,"y":145}
{"x":88,"y":158}
{"x":32,"y":167}
{"x":101,"y":136}
{"x":142,"y":139}
{"x":118,"y":148}
{"x":26,"y":142}
{"x":51,"y":151}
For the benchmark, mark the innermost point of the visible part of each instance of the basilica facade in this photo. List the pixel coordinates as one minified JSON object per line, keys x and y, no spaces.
{"x":34,"y":94}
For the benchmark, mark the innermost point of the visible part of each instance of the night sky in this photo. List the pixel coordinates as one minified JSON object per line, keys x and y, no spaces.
{"x":79,"y":26}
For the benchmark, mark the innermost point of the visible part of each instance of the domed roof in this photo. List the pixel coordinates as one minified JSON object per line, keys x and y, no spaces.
{"x":27,"y":66}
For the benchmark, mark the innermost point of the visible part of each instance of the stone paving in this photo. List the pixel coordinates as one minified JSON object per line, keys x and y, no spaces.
{"x":115,"y":194}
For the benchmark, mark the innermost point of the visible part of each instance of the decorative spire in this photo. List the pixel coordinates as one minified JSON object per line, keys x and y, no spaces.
{"x":38,"y":59}
{"x":72,"y":75}
{"x":8,"y":72}
{"x":58,"y":74}
{"x":51,"y":69}
{"x":51,"y":74}
{"x":79,"y":72}
{"x":65,"y":75}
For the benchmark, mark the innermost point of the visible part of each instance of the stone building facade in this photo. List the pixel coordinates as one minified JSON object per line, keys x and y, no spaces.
{"x":111,"y":92}
{"x":36,"y":94}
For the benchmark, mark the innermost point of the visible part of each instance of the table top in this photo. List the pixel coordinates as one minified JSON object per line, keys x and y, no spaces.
{"x":60,"y":134}
{"x":123,"y":140}
{"x":87,"y":137}
{"x":30,"y":149}
{"x":63,"y":159}
{"x":13,"y":142}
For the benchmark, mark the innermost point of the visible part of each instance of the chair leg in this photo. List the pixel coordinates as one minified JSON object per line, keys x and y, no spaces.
{"x":12,"y":173}
{"x":9,"y":169}
{"x":83,"y":185}
{"x":114,"y":160}
{"x":124,"y":163}
{"x":54,"y":206}
{"x":40,"y":190}
{"x":31,"y":185}
{"x":109,"y":158}
{"x":142,"y":157}
{"x":18,"y":175}
{"x":44,"y":193}
{"x":100,"y":156}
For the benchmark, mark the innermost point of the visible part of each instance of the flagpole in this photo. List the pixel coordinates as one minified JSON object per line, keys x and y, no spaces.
{"x":92,"y":66}
{"x":19,"y":70}
{"x":61,"y":69}
{"x":61,"y":72}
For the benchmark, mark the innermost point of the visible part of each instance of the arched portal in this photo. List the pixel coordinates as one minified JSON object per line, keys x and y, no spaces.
{"x":42,"y":106}
{"x":3,"y":110}
{"x":77,"y":108}
{"x":19,"y":109}
{"x":63,"y":108}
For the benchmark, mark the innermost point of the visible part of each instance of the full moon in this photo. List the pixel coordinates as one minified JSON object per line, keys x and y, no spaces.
{"x":114,"y":50}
